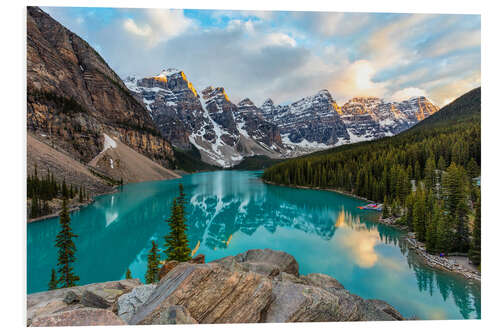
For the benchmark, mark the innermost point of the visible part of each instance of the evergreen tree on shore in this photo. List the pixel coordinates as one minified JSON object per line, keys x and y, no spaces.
{"x":475,"y":251}
{"x":462,"y":228}
{"x":66,"y":249}
{"x":385,"y":209}
{"x":53,"y":280}
{"x":153,"y":264}
{"x":176,"y":242}
{"x":431,"y":231}
{"x":128,"y":274}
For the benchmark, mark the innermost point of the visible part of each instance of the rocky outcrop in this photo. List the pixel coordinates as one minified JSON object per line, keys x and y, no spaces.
{"x":68,"y":306}
{"x":251,"y":287}
{"x":266,"y":262}
{"x":210,"y":293}
{"x":79,"y":317}
{"x":127,"y":304}
{"x":74,"y":97}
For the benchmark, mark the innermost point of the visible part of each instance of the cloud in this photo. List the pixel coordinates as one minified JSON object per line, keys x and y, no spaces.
{"x":406,"y":93}
{"x":158,"y":25}
{"x":132,"y":27}
{"x":328,"y":24}
{"x":385,"y":46}
{"x":355,"y":80}
{"x":457,"y":40}
{"x":289,"y":55}
{"x":447,"y":89}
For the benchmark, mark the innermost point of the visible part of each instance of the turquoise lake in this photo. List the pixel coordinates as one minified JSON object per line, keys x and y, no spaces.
{"x":233,"y":211}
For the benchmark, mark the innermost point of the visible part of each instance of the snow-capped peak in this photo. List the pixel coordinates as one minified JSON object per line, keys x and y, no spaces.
{"x":268,"y":102}
{"x":168,"y":72}
{"x":246,"y":102}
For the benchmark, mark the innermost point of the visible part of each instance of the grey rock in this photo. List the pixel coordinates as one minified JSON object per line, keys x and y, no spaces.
{"x":387,"y":308}
{"x":323,"y":281}
{"x":78,"y":317}
{"x":266,"y":262}
{"x":71,"y":297}
{"x":283,"y":276}
{"x":52,"y":301}
{"x":174,"y":315}
{"x":210,"y":293}
{"x":128,"y":303}
{"x":279,"y":259}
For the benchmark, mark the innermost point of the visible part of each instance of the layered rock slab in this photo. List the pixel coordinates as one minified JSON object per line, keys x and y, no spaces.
{"x":210,"y":293}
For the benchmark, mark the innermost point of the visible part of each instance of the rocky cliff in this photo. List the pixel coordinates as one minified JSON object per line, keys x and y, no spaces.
{"x":310,"y":123}
{"x":221,"y":131}
{"x":224,"y":133}
{"x":74,"y":98}
{"x":258,"y":286}
{"x":368,"y":118}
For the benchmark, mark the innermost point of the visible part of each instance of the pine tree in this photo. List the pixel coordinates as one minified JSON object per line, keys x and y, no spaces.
{"x":128,"y":274}
{"x":153,"y":264}
{"x":385,"y":208}
{"x":441,"y":163}
{"x":472,"y":168}
{"x":419,"y":216}
{"x":176,"y":242}
{"x":431,"y":230}
{"x":35,"y":207}
{"x":66,"y":249}
{"x":462,"y":228}
{"x":53,"y":280}
{"x":64,"y":190}
{"x":444,"y":233}
{"x":430,"y":175}
{"x":475,"y":251}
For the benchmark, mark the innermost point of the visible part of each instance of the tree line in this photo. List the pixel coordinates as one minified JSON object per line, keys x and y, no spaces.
{"x":42,"y":189}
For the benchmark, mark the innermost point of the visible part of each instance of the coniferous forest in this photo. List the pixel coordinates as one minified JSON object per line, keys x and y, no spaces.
{"x":427,"y":177}
{"x":42,"y":189}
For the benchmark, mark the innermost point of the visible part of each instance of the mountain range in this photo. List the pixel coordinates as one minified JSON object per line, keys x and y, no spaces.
{"x":225,"y":132}
{"x":91,"y":127}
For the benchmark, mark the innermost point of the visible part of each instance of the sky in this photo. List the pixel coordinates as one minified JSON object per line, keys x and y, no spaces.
{"x":289,"y":55}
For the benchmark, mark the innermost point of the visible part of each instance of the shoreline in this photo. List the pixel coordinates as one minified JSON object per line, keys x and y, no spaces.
{"x":319,"y":189}
{"x":442,"y":263}
{"x":70,"y":209}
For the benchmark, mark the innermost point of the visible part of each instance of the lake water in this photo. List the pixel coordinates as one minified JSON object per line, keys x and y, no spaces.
{"x":233,"y":211}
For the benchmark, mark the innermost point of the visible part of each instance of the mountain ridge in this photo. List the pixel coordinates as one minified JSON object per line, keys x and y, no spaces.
{"x":225,"y":133}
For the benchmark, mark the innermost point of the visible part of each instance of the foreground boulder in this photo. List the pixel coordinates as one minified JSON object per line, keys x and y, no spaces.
{"x":210,"y":293}
{"x":267,"y":262}
{"x":79,"y":317}
{"x":252,"y":287}
{"x":128,"y":303}
{"x":97,"y":295}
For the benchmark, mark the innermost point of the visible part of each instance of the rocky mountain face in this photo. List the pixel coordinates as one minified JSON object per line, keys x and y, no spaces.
{"x":75,"y":105}
{"x":74,"y":97}
{"x":257,"y":286}
{"x":309,"y":124}
{"x":221,"y":131}
{"x":369,"y":118}
{"x":225,"y":132}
